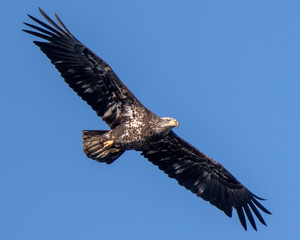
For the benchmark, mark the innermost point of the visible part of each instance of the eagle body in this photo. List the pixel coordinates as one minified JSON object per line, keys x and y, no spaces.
{"x":139,"y":134}
{"x":135,"y":133}
{"x":134,"y":127}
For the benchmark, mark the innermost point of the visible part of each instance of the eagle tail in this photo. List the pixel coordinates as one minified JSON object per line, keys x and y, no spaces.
{"x":94,"y":148}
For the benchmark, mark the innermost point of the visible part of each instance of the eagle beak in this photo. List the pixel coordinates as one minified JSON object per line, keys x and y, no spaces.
{"x":174,"y":123}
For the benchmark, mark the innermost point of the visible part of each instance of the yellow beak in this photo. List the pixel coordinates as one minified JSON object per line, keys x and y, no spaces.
{"x":174,"y":123}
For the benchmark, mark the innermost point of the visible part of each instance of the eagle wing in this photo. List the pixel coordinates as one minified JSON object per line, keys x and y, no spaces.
{"x":86,"y":73}
{"x":205,"y":177}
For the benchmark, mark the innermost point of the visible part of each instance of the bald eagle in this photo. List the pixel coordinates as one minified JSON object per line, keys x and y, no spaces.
{"x":134,"y":127}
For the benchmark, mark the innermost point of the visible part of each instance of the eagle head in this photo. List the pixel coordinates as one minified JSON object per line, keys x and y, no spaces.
{"x":167,"y":123}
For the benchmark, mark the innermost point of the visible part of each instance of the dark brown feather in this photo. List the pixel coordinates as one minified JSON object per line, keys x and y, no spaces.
{"x":86,"y":73}
{"x":205,"y":177}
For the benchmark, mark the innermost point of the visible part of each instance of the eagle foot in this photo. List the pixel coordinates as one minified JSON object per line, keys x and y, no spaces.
{"x":108,"y":144}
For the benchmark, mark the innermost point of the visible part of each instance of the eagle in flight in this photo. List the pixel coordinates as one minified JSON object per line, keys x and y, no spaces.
{"x":134,"y":127}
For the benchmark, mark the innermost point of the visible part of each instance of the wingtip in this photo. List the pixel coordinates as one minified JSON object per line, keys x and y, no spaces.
{"x":41,"y":11}
{"x":265,"y":224}
{"x":260,"y":206}
{"x":25,"y":30}
{"x":245,"y":227}
{"x":268,"y":212}
{"x":259,"y":198}
{"x":30,"y":16}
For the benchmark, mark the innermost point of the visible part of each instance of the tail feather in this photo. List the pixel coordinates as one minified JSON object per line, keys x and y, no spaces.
{"x":93,"y":147}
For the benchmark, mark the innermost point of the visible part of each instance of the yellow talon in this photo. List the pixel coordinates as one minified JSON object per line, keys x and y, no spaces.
{"x":108,"y":144}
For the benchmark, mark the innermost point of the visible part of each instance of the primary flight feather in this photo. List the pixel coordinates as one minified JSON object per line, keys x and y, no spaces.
{"x":134,"y":127}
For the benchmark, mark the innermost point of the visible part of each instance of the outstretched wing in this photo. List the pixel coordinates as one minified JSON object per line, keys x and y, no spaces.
{"x":86,"y":73}
{"x":205,"y":177}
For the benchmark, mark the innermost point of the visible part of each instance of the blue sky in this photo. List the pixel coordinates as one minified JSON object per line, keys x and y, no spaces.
{"x":227,"y":70}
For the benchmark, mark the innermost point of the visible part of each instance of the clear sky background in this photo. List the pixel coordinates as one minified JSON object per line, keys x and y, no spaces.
{"x":229,"y":71}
